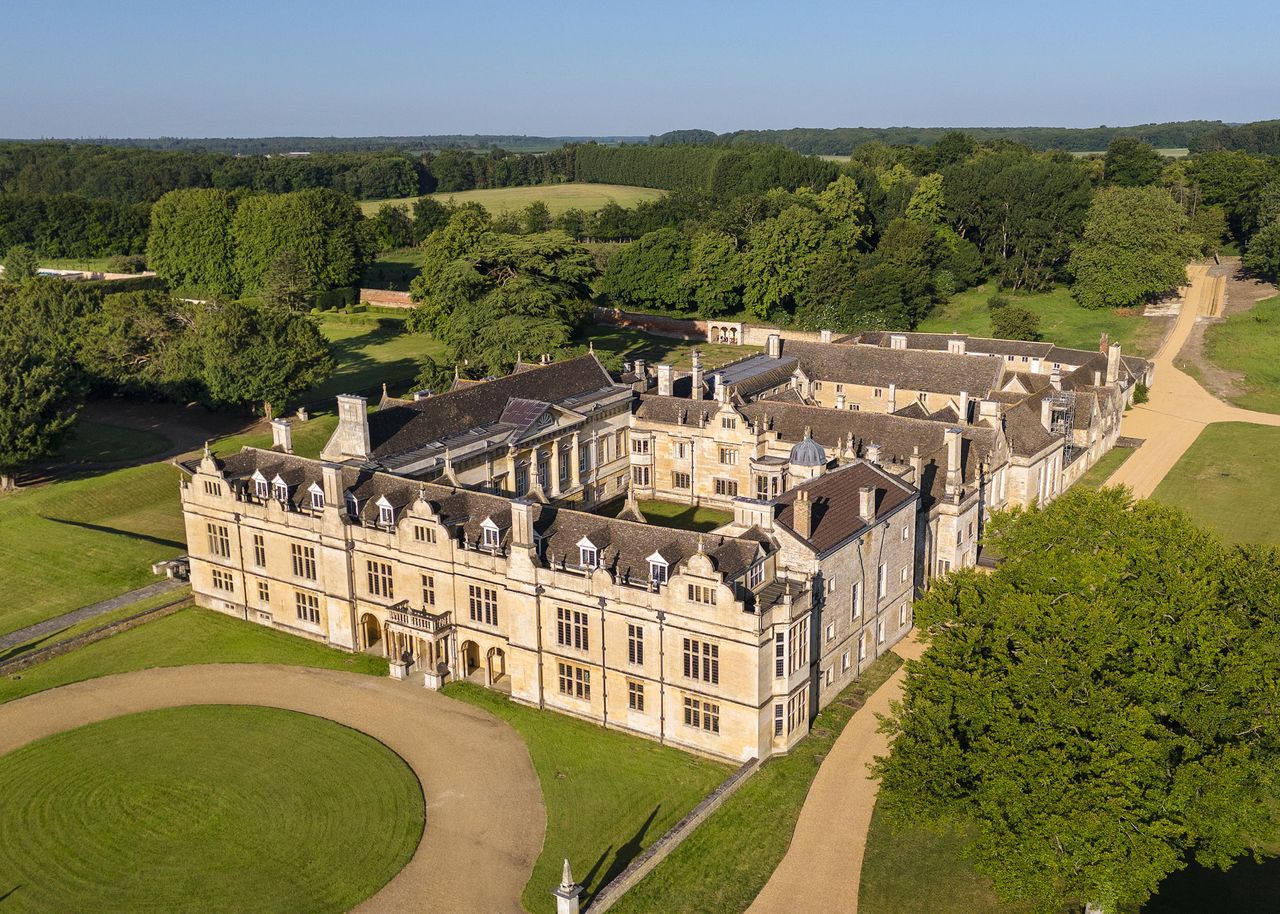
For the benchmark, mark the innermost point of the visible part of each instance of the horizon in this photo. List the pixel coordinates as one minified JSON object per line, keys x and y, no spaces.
{"x":580,"y":69}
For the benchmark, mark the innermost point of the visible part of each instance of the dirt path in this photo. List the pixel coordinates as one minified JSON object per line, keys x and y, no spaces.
{"x":485,"y":818}
{"x":822,"y":869}
{"x":1178,"y":408}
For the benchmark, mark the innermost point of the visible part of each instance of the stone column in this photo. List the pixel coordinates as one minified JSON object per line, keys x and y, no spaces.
{"x":553,"y":484}
{"x":574,"y":477}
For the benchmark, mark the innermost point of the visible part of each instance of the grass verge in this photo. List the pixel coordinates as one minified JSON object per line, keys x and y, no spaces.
{"x":1222,"y":482}
{"x":608,"y":795}
{"x":183,"y":808}
{"x":724,"y":864}
{"x":1249,"y":343}
{"x":1098,"y":474}
{"x":188,"y":636}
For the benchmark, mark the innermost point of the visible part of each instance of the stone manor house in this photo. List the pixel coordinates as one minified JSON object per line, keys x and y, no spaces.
{"x":467,"y":534}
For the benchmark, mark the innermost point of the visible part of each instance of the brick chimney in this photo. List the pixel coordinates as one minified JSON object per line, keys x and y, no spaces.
{"x":1113,"y":363}
{"x":695,"y":390}
{"x":642,"y":374}
{"x":664,"y":380}
{"x":802,"y":514}
{"x":867,"y":503}
{"x":331,"y":477}
{"x":282,"y":435}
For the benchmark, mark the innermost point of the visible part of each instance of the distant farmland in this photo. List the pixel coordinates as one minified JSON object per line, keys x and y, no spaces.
{"x":558,"y":197}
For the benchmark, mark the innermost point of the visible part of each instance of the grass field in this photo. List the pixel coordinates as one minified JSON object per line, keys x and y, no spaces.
{"x":1062,"y":320}
{"x":724,"y":864}
{"x":188,"y":636}
{"x":608,"y":795}
{"x":1223,"y":482}
{"x":88,"y":264}
{"x":558,"y":197}
{"x":215,"y":808}
{"x":1249,"y":343}
{"x":370,"y":350}
{"x":632,"y":344}
{"x":1101,"y":471}
{"x":98,"y":442}
{"x":681,"y":517}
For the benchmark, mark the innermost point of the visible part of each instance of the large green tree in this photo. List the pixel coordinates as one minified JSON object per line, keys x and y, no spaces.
{"x":1136,"y":244}
{"x":321,"y":226}
{"x":136,"y":343}
{"x":1098,"y":709}
{"x":190,"y":244}
{"x":650,"y":272}
{"x":714,"y":277}
{"x":1132,"y":163}
{"x":1263,"y":254}
{"x":20,"y":263}
{"x":780,"y":252}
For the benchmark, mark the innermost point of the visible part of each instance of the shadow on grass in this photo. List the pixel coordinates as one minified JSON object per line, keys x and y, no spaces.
{"x":17,"y":650}
{"x":621,"y":860}
{"x":99,"y":528}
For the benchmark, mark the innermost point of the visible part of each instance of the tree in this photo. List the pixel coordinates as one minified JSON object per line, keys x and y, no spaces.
{"x":40,"y":384}
{"x":780,"y":252}
{"x":1132,"y":163}
{"x":434,"y":376}
{"x":286,"y":283}
{"x":258,"y":354}
{"x":1098,"y":708}
{"x":392,"y":227}
{"x":1014,"y":322}
{"x":714,"y":276}
{"x":428,"y":215}
{"x":136,"y":343}
{"x":650,"y":272}
{"x":190,"y":245}
{"x":828,"y":300}
{"x":1209,"y":228}
{"x":320,"y":225}
{"x":20,"y":263}
{"x":1135,"y":245}
{"x":1263,"y":254}
{"x":925,"y":205}
{"x":535,"y":217}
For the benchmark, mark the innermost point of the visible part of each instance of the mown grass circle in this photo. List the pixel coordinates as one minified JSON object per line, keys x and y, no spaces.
{"x":208,"y":808}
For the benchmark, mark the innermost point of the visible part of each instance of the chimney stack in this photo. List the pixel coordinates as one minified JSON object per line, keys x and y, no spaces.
{"x":867,"y":503}
{"x":873,"y":453}
{"x":521,"y":523}
{"x":1046,"y":413}
{"x":331,"y":479}
{"x":721,"y":389}
{"x":351,"y":438}
{"x":917,"y":466}
{"x":641,"y":374}
{"x":964,"y":406}
{"x":893,"y":397}
{"x":1097,"y":379}
{"x":802,"y":515}
{"x":664,"y":380}
{"x":282,"y":435}
{"x":988,"y":409}
{"x":839,"y":401}
{"x":1113,"y":363}
{"x":956,"y":346}
{"x":825,"y":336}
{"x":773,"y":346}
{"x":1055,"y":378}
{"x":955,"y":478}
{"x":695,"y":390}
{"x":898,"y":341}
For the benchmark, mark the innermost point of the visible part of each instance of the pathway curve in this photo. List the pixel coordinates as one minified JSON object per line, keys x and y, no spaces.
{"x":485,"y":818}
{"x":822,"y":868}
{"x":1178,"y":407}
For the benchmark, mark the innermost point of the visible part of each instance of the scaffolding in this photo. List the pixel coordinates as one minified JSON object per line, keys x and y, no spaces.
{"x":1062,"y":416}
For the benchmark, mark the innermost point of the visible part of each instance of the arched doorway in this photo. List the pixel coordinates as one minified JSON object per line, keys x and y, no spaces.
{"x":469,"y":656}
{"x":370,"y":629}
{"x":497,"y":659}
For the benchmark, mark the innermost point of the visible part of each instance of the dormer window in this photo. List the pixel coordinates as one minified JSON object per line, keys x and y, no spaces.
{"x":260,"y":485}
{"x":490,"y":536}
{"x":755,"y":575}
{"x":657,"y":569}
{"x":279,"y":489}
{"x":317,"y":496}
{"x":588,"y":554}
{"x":386,"y":514}
{"x":353,"y":506}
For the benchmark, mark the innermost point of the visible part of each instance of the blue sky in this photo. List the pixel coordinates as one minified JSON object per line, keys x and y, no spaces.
{"x":279,"y":67}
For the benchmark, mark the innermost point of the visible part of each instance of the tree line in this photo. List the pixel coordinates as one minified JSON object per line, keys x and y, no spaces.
{"x":72,"y":225}
{"x":717,"y":170}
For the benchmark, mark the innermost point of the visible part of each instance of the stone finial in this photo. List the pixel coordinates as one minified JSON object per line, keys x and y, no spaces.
{"x":702,"y":544}
{"x":207,"y":452}
{"x":566,"y":879}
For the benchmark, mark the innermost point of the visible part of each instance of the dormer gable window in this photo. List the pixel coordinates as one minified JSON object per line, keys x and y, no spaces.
{"x":279,"y":489}
{"x":657,"y":568}
{"x":352,"y":503}
{"x":317,"y":496}
{"x":386,"y":514}
{"x":490,"y":536}
{"x":261,"y":487}
{"x":588,"y":554}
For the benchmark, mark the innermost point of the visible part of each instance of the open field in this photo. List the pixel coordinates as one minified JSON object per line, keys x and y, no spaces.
{"x":160,"y":810}
{"x":1062,"y":320}
{"x":722,"y":866}
{"x":558,"y":197}
{"x":1223,"y":481}
{"x":1248,"y":343}
{"x":188,"y":636}
{"x":608,"y":795}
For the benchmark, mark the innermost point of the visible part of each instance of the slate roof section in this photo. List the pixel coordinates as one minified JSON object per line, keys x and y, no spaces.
{"x":835,"y":499}
{"x":624,"y":545}
{"x":938,"y":372}
{"x":403,"y":428}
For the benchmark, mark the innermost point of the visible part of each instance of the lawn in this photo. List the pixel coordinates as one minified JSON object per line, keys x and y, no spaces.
{"x":608,"y":795}
{"x":1224,"y":481}
{"x":213,"y":807}
{"x":68,"y":544}
{"x":558,"y":197}
{"x":97,"y":442}
{"x":674,"y":514}
{"x":188,"y":636}
{"x":724,"y":864}
{"x":371,"y":349}
{"x":1062,"y":320}
{"x":393,"y":270}
{"x":632,"y":344}
{"x":1100,"y":472}
{"x":87,"y":264}
{"x":1249,"y":343}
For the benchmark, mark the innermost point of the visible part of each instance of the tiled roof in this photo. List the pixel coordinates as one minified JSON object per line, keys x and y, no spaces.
{"x":835,"y":500}
{"x":403,"y":428}
{"x":939,"y":372}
